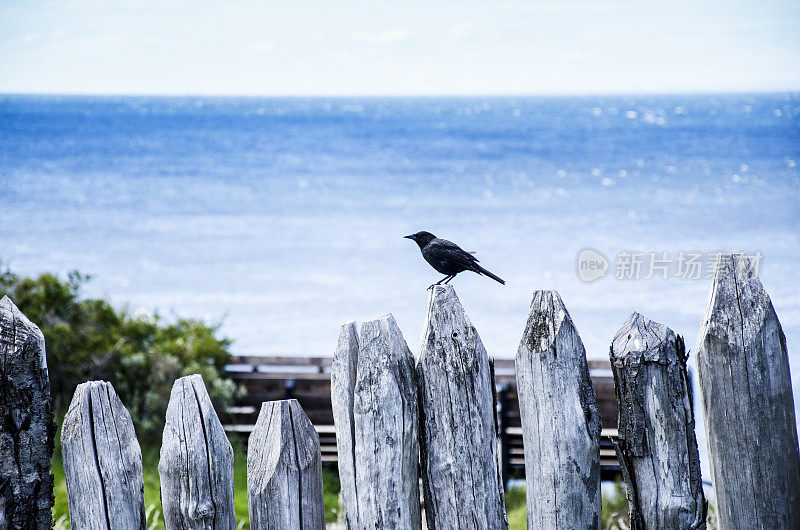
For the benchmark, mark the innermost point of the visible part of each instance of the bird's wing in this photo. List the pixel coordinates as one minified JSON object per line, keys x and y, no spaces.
{"x":454,"y":253}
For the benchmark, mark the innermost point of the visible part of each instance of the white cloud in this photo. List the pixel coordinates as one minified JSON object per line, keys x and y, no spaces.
{"x":262,"y":46}
{"x":341,"y":56}
{"x":43,"y":36}
{"x":460,"y":31}
{"x":389,"y":36}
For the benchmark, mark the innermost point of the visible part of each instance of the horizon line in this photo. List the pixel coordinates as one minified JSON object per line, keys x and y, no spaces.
{"x":409,"y":95}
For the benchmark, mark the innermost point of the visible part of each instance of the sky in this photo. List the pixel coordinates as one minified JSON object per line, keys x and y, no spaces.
{"x":398,"y":48}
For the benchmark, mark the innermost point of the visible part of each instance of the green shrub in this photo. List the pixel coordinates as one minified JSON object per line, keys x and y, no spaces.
{"x":141,"y":356}
{"x":615,"y":506}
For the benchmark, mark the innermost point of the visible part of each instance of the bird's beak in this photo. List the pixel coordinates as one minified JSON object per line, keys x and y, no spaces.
{"x":409,"y":237}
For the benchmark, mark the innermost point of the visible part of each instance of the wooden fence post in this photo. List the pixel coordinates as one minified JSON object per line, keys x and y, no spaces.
{"x":560,"y":420}
{"x":26,"y":423}
{"x":461,"y":473}
{"x":657,"y":448}
{"x":375,"y":402}
{"x":196,"y":464}
{"x":284,"y":470}
{"x":102,"y":461}
{"x":343,"y":384}
{"x":748,"y":403}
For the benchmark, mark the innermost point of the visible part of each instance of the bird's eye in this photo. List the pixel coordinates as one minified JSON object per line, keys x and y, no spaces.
{"x":455,"y":334}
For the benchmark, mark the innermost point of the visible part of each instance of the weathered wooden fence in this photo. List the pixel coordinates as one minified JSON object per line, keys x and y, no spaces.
{"x":561,"y":423}
{"x":27,"y":429}
{"x":375,"y":405}
{"x":461,"y":474}
{"x":392,"y":413}
{"x":657,"y":446}
{"x":284,"y":470}
{"x":103,"y":464}
{"x":102,"y":461}
{"x":748,"y":404}
{"x":196,"y":464}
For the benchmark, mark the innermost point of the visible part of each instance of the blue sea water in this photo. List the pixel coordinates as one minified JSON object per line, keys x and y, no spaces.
{"x":284,"y":217}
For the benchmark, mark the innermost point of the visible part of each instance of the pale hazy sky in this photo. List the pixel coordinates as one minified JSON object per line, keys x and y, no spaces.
{"x":345,"y":47}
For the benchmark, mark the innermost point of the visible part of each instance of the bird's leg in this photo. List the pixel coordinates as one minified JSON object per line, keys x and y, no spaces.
{"x":440,"y":281}
{"x":449,"y":278}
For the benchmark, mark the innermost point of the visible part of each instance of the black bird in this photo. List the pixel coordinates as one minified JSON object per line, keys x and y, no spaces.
{"x":447,"y":257}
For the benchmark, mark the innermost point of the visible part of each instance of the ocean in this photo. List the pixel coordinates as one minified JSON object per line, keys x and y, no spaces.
{"x":284,"y":217}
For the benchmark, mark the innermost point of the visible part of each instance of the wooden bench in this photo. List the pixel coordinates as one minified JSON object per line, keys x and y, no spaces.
{"x":308,"y":379}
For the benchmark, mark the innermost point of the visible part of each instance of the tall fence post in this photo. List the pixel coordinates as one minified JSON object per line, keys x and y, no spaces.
{"x":748,"y":402}
{"x":102,"y":461}
{"x":657,"y":448}
{"x":343,"y":384}
{"x":26,"y":423}
{"x":461,"y":473}
{"x":560,"y":420}
{"x":375,"y":403}
{"x":284,"y":470}
{"x":196,"y":464}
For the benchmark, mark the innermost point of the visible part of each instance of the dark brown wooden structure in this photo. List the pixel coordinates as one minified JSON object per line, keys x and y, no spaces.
{"x":308,"y":380}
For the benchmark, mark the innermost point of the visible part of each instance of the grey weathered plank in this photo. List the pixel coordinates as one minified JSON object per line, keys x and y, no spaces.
{"x":196,"y":464}
{"x":102,"y":461}
{"x":748,"y":403}
{"x":284,"y":470}
{"x":343,"y":384}
{"x":657,"y":447}
{"x":560,"y":420}
{"x":26,"y":423}
{"x":385,"y":424}
{"x":461,"y":473}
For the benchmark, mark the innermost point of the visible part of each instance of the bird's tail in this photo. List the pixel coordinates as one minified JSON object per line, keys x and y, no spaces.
{"x":481,"y":270}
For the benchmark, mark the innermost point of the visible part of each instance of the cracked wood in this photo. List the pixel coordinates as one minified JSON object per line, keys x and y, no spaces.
{"x":748,"y":403}
{"x":657,"y":447}
{"x":26,"y":423}
{"x":375,"y":402}
{"x":284,"y":470}
{"x":461,"y":474}
{"x":560,"y":420}
{"x":196,"y":464}
{"x":102,"y":461}
{"x":343,"y":384}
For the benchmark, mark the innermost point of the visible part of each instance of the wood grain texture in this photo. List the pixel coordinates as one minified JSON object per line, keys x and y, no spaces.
{"x":343,"y":385}
{"x":385,"y":416}
{"x":461,"y":474}
{"x":196,"y":464}
{"x":657,"y":445}
{"x":748,"y":403}
{"x":560,"y":420}
{"x":26,"y":423}
{"x":284,"y":470}
{"x":102,"y":461}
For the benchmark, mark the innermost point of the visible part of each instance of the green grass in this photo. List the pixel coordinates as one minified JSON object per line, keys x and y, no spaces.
{"x":615,"y":504}
{"x":330,"y":494}
{"x":516,"y":510}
